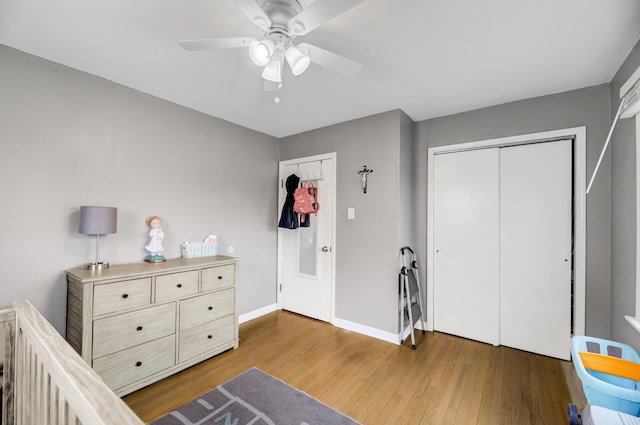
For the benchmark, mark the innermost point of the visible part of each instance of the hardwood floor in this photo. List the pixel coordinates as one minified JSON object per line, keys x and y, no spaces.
{"x":446,"y":380}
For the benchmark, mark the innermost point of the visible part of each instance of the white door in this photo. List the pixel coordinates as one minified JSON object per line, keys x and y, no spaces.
{"x":466,"y":244}
{"x":306,"y":254}
{"x":535,"y":245}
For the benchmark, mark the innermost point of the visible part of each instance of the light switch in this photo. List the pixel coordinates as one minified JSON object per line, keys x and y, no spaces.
{"x":351,"y":213}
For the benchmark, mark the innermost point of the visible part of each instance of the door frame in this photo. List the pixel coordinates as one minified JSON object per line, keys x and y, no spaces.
{"x":332,"y":251}
{"x":579,"y":134}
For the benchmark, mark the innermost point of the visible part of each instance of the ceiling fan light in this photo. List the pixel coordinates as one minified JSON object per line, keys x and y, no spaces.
{"x":273,"y":70}
{"x":261,"y":51}
{"x":298,"y":60}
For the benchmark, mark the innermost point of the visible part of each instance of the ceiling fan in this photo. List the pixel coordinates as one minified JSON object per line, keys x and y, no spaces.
{"x":282,"y":21}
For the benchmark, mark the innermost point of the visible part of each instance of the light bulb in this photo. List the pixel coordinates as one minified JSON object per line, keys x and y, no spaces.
{"x":261,"y":51}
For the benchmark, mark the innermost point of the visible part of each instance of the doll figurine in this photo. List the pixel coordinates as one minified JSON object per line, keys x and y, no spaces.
{"x":154,"y":248}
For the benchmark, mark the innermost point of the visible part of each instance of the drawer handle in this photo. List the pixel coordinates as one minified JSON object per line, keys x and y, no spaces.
{"x":219,"y":277}
{"x":210,"y":308}
{"x":209,"y":336}
{"x":179,"y":285}
{"x":125,"y":296}
{"x":138,"y":363}
{"x":139,"y":328}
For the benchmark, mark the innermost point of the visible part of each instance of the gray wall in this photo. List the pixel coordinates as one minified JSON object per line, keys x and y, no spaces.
{"x":623,"y":212}
{"x":367,"y":247}
{"x":69,"y":139}
{"x":406,"y":189}
{"x":589,"y":107}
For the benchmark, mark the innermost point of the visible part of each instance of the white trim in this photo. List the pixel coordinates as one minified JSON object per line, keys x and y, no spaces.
{"x":339,"y":323}
{"x":367,"y":330}
{"x":580,"y":230}
{"x":629,"y":83}
{"x":257,"y":313}
{"x":332,"y":252}
{"x":580,"y":226}
{"x":406,"y":332}
{"x":630,"y":97}
{"x":634,"y":322}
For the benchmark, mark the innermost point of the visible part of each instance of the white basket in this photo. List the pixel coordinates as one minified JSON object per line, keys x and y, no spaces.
{"x":199,"y":249}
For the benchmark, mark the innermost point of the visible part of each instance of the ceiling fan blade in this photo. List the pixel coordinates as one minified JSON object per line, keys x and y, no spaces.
{"x":332,"y":61}
{"x":254,"y":12}
{"x":216,"y":43}
{"x":319,"y":12}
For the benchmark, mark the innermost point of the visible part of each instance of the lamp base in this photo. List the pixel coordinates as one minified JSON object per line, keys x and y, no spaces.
{"x":96,"y":266}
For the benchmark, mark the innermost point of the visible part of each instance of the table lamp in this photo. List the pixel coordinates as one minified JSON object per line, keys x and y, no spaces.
{"x":98,"y":221}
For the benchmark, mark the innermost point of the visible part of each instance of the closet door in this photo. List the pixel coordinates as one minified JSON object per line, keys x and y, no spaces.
{"x":466,"y":271}
{"x":535,"y":245}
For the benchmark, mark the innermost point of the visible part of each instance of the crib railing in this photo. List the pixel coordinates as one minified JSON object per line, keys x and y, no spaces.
{"x":7,"y":335}
{"x":50,"y":384}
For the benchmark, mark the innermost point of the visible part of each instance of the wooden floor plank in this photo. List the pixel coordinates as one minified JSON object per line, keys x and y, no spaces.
{"x":446,"y":380}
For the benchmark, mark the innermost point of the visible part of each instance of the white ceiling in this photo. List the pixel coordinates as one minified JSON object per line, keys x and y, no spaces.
{"x":428,"y":58}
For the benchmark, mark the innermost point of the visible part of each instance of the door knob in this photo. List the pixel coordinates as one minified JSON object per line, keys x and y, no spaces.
{"x":325,"y":249}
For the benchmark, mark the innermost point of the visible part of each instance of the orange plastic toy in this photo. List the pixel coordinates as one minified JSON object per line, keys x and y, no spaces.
{"x":611,"y":365}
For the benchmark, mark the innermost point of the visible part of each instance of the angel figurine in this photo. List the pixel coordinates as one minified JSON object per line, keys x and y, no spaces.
{"x":154,"y":248}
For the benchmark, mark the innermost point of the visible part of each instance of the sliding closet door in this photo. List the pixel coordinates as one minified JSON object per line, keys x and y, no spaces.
{"x":466,"y":241}
{"x":535,"y":245}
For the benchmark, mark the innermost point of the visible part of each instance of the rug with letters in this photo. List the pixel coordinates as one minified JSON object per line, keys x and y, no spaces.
{"x":254,"y":398}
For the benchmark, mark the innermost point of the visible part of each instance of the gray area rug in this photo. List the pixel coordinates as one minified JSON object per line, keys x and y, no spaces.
{"x":254,"y":398}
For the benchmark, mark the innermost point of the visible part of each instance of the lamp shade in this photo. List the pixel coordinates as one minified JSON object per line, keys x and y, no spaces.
{"x":98,"y":220}
{"x":273,"y":70}
{"x":298,"y":60}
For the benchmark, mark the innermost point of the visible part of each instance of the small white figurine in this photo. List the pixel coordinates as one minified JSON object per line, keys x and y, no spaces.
{"x":154,"y":248}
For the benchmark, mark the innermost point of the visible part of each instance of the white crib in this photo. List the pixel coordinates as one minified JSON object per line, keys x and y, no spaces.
{"x":45,"y":382}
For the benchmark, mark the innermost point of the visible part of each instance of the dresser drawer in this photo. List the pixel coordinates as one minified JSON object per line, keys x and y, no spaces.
{"x":108,"y":298}
{"x":205,"y":337}
{"x":176,"y":285}
{"x":218,"y":277}
{"x":121,"y":368}
{"x":116,"y":333}
{"x":205,"y":308}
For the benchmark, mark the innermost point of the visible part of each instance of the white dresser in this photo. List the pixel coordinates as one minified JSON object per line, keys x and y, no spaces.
{"x":138,"y":323}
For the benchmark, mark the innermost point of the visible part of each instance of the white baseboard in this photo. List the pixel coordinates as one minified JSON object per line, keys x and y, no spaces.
{"x":367,"y":330}
{"x":257,"y":313}
{"x":340,"y":323}
{"x":418,"y":326}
